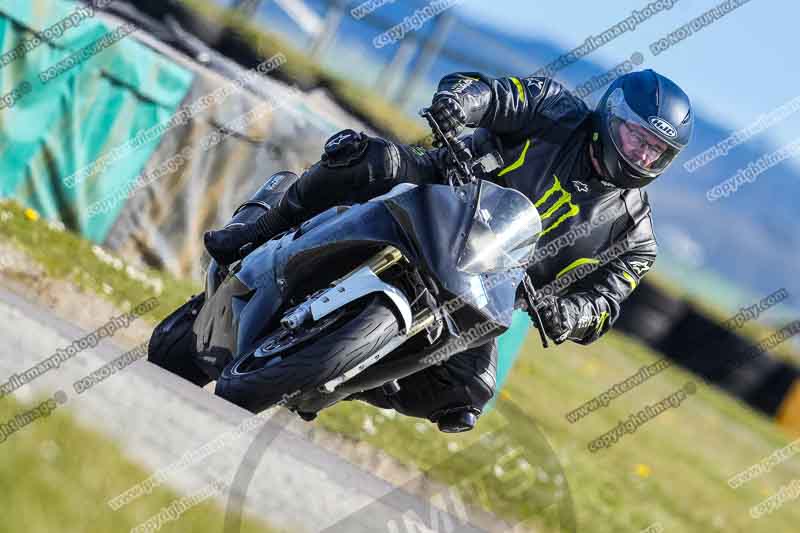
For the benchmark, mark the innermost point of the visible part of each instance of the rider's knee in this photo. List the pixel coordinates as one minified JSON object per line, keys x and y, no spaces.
{"x":354,"y":168}
{"x":474,"y":372}
{"x":369,"y":157}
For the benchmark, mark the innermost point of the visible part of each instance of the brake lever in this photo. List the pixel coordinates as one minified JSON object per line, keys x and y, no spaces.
{"x":530,"y":296}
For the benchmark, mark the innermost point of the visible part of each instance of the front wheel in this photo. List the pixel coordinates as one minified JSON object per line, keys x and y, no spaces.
{"x":172,"y":344}
{"x":289,"y":363}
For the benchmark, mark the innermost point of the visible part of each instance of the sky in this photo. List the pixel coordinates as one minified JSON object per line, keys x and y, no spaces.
{"x":739,"y":67}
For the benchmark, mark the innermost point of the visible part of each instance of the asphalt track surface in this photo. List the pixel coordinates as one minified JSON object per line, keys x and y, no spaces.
{"x":156,"y":418}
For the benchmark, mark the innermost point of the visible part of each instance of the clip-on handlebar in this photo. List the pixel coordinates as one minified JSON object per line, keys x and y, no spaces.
{"x":463,"y":166}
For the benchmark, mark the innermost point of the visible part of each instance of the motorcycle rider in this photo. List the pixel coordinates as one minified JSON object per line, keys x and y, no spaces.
{"x":581,"y":168}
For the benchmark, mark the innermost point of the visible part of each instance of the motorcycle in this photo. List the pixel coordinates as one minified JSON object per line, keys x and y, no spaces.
{"x":358,"y":297}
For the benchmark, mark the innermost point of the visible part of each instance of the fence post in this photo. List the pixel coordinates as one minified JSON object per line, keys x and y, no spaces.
{"x":430,"y":50}
{"x":246,"y":7}
{"x":333,"y":19}
{"x":394,"y":70}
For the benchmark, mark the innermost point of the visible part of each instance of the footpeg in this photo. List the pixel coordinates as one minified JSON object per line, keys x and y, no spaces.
{"x":297,"y":317}
{"x":390,"y":388}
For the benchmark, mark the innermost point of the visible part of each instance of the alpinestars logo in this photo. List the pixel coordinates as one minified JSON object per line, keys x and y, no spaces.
{"x":462,"y":85}
{"x":580,"y":186}
{"x":640,"y":267}
{"x":336,"y":141}
{"x":535,"y":83}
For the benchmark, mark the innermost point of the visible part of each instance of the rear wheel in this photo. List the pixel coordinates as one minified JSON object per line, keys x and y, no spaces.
{"x":291,"y":363}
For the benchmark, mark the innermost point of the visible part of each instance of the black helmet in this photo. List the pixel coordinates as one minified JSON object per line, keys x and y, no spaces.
{"x":642,"y":123}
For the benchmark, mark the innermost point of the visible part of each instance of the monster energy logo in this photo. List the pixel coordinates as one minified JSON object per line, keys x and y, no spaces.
{"x":562,"y":199}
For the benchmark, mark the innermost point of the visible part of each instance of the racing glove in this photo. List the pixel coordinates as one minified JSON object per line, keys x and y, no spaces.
{"x":448,"y":114}
{"x":561,"y":317}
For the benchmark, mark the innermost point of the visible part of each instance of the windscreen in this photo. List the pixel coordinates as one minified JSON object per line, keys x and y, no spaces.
{"x":504,"y":231}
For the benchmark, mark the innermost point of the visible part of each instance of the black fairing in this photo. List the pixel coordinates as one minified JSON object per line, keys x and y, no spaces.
{"x":298,"y":260}
{"x":437,"y":222}
{"x":427,"y":224}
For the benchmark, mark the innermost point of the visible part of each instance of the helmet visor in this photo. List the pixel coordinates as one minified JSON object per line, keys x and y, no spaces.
{"x":644,"y":144}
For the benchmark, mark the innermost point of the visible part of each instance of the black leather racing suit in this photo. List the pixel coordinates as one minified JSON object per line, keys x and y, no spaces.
{"x":596,"y":241}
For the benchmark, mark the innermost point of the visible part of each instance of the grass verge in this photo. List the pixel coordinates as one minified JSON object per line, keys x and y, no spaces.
{"x":64,"y":255}
{"x":673,"y":470}
{"x":57,"y":476}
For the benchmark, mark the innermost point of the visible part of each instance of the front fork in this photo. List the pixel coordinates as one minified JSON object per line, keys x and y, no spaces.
{"x":382,"y":261}
{"x":360,"y":282}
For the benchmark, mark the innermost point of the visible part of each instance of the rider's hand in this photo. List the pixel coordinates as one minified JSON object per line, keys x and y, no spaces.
{"x":448,"y":114}
{"x":560,"y":317}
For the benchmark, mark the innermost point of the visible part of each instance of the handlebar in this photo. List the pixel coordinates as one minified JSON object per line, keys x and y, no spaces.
{"x":463,"y":166}
{"x":533,"y":310}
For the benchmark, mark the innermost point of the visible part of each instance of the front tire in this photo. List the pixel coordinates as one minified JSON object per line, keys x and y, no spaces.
{"x":337,"y":343}
{"x":172,"y":343}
